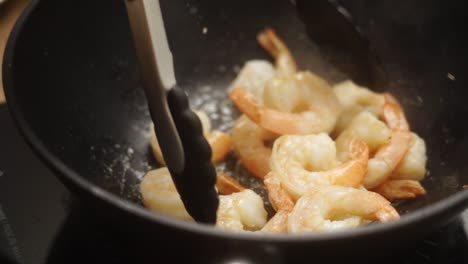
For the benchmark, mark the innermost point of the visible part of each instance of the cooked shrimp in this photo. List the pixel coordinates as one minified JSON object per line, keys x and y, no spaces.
{"x":356,"y":99}
{"x":389,"y":156}
{"x":220,"y":142}
{"x":159,"y":194}
{"x":305,"y":162}
{"x":367,"y":127}
{"x":241,"y":211}
{"x":281,"y":202}
{"x":331,"y":208}
{"x":296,"y":104}
{"x":253,"y":77}
{"x":227,"y":185}
{"x":400,"y":189}
{"x":249,"y":143}
{"x":220,"y":145}
{"x":285,"y":63}
{"x":413,"y":165}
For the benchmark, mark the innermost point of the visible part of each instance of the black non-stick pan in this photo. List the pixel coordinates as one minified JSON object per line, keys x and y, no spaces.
{"x":73,"y":86}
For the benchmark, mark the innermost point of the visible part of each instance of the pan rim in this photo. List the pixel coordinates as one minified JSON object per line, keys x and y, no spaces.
{"x":445,"y":208}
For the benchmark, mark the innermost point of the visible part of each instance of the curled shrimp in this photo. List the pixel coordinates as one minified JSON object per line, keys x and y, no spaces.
{"x":219,"y":142}
{"x":241,"y":211}
{"x":302,"y":103}
{"x":389,"y":156}
{"x":237,"y":211}
{"x":304,"y":162}
{"x":281,"y":202}
{"x":253,"y":77}
{"x":400,"y":189}
{"x":159,"y":194}
{"x":356,"y":99}
{"x":413,"y":165}
{"x":367,"y":127}
{"x":249,"y":143}
{"x":285,"y":63}
{"x":255,"y":73}
{"x":331,"y":208}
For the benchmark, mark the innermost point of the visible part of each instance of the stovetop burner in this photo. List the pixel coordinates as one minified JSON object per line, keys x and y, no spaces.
{"x":40,"y":222}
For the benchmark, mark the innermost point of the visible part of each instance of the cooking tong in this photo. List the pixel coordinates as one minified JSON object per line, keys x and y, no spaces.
{"x":179,"y":132}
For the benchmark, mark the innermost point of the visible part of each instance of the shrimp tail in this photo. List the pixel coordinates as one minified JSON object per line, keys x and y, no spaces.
{"x":400,"y":189}
{"x":227,"y":185}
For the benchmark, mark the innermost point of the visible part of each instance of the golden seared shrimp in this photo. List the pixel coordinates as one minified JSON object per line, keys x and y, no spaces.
{"x":241,"y":211}
{"x":281,"y":202}
{"x":253,"y":77}
{"x":400,"y":189}
{"x":302,"y":103}
{"x":220,"y":142}
{"x":249,"y":143}
{"x":159,"y":194}
{"x":227,"y":185}
{"x":304,"y":162}
{"x":356,"y":99}
{"x":285,"y":63}
{"x":387,"y":157}
{"x":331,"y":208}
{"x":413,"y":165}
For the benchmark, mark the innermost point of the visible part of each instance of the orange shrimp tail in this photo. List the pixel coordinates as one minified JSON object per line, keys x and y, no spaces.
{"x":246,"y":103}
{"x":266,"y":39}
{"x":227,"y":185}
{"x":279,"y":199}
{"x":400,"y":189}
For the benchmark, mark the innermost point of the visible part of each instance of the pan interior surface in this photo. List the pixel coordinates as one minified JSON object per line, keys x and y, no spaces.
{"x":78,"y":86}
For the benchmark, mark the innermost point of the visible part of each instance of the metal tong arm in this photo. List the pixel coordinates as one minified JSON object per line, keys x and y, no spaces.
{"x":155,"y":57}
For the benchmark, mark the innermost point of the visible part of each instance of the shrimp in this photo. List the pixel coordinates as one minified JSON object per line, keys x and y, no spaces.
{"x":356,"y":99}
{"x":400,"y":189}
{"x":331,"y":208}
{"x":241,"y":211}
{"x":159,"y":194}
{"x":227,"y":185}
{"x":220,"y":142}
{"x":285,"y":63}
{"x":413,"y":165}
{"x":249,"y":144}
{"x":304,"y":162}
{"x":389,"y":156}
{"x":281,"y":202}
{"x":302,"y":103}
{"x":367,"y":127}
{"x":238,"y":210}
{"x":253,"y":77}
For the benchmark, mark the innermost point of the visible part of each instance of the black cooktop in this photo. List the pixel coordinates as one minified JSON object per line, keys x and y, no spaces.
{"x":41,"y":222}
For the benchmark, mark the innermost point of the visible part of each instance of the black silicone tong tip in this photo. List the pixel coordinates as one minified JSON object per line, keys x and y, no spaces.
{"x":196,"y":182}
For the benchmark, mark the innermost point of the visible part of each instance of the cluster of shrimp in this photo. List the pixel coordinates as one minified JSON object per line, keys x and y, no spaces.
{"x":339,"y":156}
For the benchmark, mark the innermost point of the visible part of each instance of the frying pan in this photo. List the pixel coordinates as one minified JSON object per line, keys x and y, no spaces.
{"x":73,"y":86}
